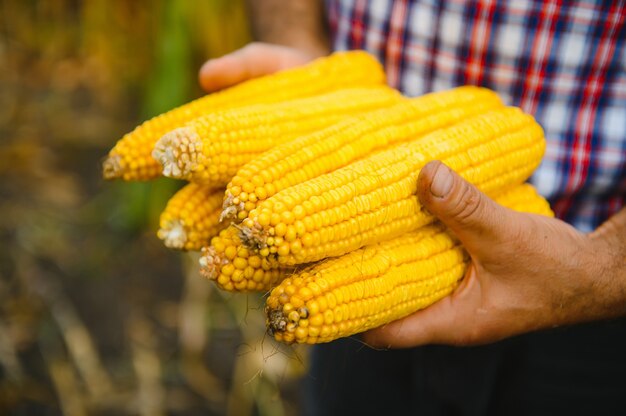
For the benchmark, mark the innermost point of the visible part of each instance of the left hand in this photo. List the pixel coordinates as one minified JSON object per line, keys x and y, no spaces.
{"x":527,"y":272}
{"x":252,"y":61}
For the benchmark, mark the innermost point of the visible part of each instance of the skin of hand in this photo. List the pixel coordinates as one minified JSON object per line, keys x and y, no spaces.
{"x":253,"y":60}
{"x":527,"y":272}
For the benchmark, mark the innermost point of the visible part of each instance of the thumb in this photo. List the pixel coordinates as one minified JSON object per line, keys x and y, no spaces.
{"x":253,"y":60}
{"x":473,"y":217}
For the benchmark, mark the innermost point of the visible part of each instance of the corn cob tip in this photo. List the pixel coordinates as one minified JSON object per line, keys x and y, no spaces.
{"x":112,"y":167}
{"x":229,"y":208}
{"x":282,"y":323}
{"x":173,"y":234}
{"x":210,"y":263}
{"x":251,"y":235}
{"x":175,"y":151}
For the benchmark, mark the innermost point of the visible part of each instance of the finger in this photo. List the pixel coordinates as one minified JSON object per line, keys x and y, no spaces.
{"x":476,"y":220}
{"x":252,"y":61}
{"x":420,"y":328}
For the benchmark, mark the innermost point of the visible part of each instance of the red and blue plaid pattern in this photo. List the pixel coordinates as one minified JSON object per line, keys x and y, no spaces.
{"x":562,"y":61}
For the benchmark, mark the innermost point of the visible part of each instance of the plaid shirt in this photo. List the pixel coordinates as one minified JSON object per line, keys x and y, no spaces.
{"x":563,"y":62}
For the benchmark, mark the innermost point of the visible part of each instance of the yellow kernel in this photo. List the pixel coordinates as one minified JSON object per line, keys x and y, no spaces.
{"x":272,"y":302}
{"x":257,"y":180}
{"x":325,"y":331}
{"x":297,"y":302}
{"x":301,"y":333}
{"x":287,"y":217}
{"x":248,"y":272}
{"x":283,"y":298}
{"x":312,"y":306}
{"x":328,"y":317}
{"x":266,"y":176}
{"x":258,"y":275}
{"x":248,"y":187}
{"x":323,"y":304}
{"x":314,"y":331}
{"x":274,"y":219}
{"x":254,"y":261}
{"x":279,"y":207}
{"x":296,"y":247}
{"x":219,"y":246}
{"x":237,"y":276}
{"x":317,"y":320}
{"x":315,"y":289}
{"x":263,"y":220}
{"x":305,"y":293}
{"x":332,"y":300}
{"x":283,"y":250}
{"x":240,"y":263}
{"x":235,"y":190}
{"x":290,"y":235}
{"x":228,"y":269}
{"x":299,"y":212}
{"x":338,"y":314}
{"x":230,"y":252}
{"x":260,"y":193}
{"x":293,"y":316}
{"x":280,"y":229}
{"x":300,"y":228}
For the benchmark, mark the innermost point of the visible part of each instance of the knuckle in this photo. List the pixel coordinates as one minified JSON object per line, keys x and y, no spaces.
{"x":468,"y":205}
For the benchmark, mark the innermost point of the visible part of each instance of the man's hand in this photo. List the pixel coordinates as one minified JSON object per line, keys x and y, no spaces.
{"x":527,"y":272}
{"x":254,"y":60}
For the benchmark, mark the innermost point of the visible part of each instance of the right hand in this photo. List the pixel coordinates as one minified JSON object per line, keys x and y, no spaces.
{"x":253,"y":60}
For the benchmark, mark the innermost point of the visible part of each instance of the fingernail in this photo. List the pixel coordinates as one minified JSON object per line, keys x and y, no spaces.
{"x":442,"y":182}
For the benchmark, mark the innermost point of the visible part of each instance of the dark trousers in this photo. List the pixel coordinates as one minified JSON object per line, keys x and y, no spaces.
{"x":571,"y":371}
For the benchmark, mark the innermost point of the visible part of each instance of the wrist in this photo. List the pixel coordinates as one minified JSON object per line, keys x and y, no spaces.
{"x":607,"y":257}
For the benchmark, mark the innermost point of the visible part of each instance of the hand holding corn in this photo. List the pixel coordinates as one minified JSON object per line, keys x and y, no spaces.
{"x":527,"y":272}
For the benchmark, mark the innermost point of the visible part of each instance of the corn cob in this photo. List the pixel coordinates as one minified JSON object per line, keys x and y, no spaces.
{"x":515,"y":148}
{"x":211,"y":148}
{"x":324,"y":151}
{"x":130,"y":158}
{"x":191,"y":217}
{"x":374,"y":199}
{"x":377,"y":284}
{"x":234,"y":267}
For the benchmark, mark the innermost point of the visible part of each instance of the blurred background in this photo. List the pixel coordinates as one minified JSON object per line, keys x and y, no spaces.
{"x":97,"y":317}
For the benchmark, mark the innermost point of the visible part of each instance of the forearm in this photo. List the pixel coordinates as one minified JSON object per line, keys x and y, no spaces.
{"x":295,"y":23}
